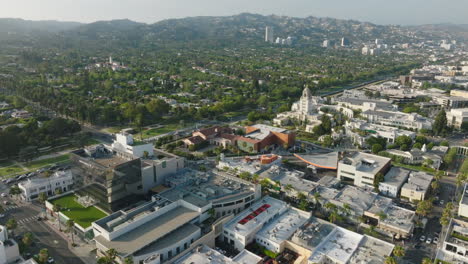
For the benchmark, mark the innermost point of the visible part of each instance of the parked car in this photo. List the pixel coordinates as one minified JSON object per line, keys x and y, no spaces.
{"x":50,"y":260}
{"x":422,"y":239}
{"x":442,"y":202}
{"x":4,"y":195}
{"x":428,"y":240}
{"x":436,"y":240}
{"x":2,"y":215}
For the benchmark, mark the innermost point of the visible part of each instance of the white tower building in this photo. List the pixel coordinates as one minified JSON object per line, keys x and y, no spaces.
{"x":269,"y":34}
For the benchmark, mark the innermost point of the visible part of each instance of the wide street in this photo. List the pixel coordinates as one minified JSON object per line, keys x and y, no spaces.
{"x":26,"y":216}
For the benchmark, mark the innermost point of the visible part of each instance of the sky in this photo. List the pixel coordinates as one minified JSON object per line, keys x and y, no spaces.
{"x":403,"y":12}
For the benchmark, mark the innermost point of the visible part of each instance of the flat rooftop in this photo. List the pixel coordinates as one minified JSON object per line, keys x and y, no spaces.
{"x":418,"y":181}
{"x":151,"y":231}
{"x":284,"y":226}
{"x":464,"y":199}
{"x":289,"y":177}
{"x":372,"y":251}
{"x":338,"y":246}
{"x":396,"y":176}
{"x":365,"y":162}
{"x":312,"y":233}
{"x":324,"y":161}
{"x":201,"y":189}
{"x":399,"y":218}
{"x":256,"y":215}
{"x":206,"y":255}
{"x":357,"y":198}
{"x":270,"y":128}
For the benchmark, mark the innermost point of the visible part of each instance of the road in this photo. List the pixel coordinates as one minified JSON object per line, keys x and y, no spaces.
{"x":26,"y":216}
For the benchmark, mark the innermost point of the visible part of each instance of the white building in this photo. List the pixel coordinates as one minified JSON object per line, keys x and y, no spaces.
{"x":269,"y":37}
{"x":456,"y":117}
{"x":124,"y":143}
{"x":454,"y":248}
{"x":31,"y":188}
{"x":258,"y":222}
{"x":463,"y":205}
{"x":397,"y":119}
{"x":9,"y":250}
{"x":206,"y":255}
{"x":360,"y":130}
{"x":417,"y":186}
{"x":361,"y":168}
{"x":157,"y":230}
{"x":394,"y":180}
{"x":327,"y":243}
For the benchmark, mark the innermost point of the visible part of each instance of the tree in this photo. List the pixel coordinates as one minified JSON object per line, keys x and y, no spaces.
{"x":288,"y":187}
{"x":435,"y":185}
{"x":346,"y":209}
{"x":27,"y":239}
{"x":42,"y":198}
{"x":317,"y":199}
{"x":440,"y":123}
{"x":57,"y":208}
{"x":109,"y":257}
{"x":403,"y":140}
{"x":15,"y":190}
{"x":11,"y":225}
{"x":245,"y":175}
{"x":390,"y":260}
{"x":70,"y":226}
{"x":212,"y":213}
{"x":43,"y":255}
{"x":426,"y":261}
{"x":379,"y":177}
{"x":424,"y":207}
{"x":449,"y":158}
{"x":399,"y":251}
{"x":376,"y":148}
{"x":128,"y":260}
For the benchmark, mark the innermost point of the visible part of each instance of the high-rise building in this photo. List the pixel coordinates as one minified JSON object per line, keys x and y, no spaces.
{"x":269,"y":34}
{"x":378,"y":41}
{"x":325,"y":43}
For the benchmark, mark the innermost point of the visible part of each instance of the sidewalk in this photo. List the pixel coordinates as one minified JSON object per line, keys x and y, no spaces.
{"x":82,"y":249}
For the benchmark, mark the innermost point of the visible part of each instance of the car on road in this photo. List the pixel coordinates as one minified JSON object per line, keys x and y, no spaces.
{"x":50,"y":260}
{"x":422,"y":239}
{"x":428,"y":240}
{"x":4,"y":195}
{"x":436,"y":240}
{"x":441,"y":202}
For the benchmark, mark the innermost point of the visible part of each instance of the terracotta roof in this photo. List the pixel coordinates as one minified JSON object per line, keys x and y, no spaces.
{"x":213,"y":130}
{"x":249,"y":140}
{"x":229,"y":136}
{"x":195,"y":140}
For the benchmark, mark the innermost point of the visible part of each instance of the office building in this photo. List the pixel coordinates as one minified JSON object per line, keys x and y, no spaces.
{"x":394,"y":180}
{"x":463,"y":205}
{"x":361,"y":168}
{"x":61,"y":181}
{"x":454,"y":247}
{"x":417,"y":186}
{"x":457,"y":117}
{"x":269,"y":35}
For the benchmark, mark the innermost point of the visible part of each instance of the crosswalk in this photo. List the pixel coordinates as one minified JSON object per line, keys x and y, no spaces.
{"x":29,"y":219}
{"x":11,"y":207}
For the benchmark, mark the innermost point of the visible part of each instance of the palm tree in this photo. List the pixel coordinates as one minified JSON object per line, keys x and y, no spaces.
{"x":57,"y":208}
{"x":346,"y":209}
{"x":11,"y":225}
{"x":42,"y":198}
{"x":330,"y":206}
{"x":399,"y":251}
{"x":70,"y":224}
{"x":288,"y":188}
{"x":27,"y":239}
{"x":317,"y":199}
{"x":334,"y":216}
{"x":382,"y":215}
{"x":390,"y":260}
{"x":128,"y":260}
{"x":426,"y":261}
{"x":43,"y":255}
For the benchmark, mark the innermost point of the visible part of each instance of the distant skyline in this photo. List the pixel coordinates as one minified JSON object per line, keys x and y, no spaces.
{"x":403,"y":12}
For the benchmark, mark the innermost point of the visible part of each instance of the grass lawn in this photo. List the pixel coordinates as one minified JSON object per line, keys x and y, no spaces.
{"x":155,"y":132}
{"x":44,"y":162}
{"x":11,"y":170}
{"x":73,"y":210}
{"x":414,"y":167}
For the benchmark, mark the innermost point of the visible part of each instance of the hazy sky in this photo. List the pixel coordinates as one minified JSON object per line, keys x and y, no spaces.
{"x":150,"y":11}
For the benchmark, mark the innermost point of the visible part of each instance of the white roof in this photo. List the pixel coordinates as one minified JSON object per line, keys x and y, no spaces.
{"x":271,"y":207}
{"x":338,"y":246}
{"x":283,"y":227}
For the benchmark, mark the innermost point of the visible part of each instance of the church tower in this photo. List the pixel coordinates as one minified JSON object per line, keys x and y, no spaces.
{"x":306,"y":105}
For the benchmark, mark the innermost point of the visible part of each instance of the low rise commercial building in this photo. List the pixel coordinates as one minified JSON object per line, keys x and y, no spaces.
{"x":223,"y":193}
{"x":454,"y":248}
{"x":269,"y":222}
{"x":203,"y":254}
{"x":250,"y":164}
{"x":394,"y":180}
{"x":9,"y":249}
{"x":397,"y":119}
{"x":159,"y":229}
{"x":61,"y":181}
{"x":125,"y":143}
{"x":327,"y":243}
{"x":360,"y":130}
{"x":463,"y":205}
{"x":457,"y":117}
{"x":417,"y":187}
{"x":361,"y":168}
